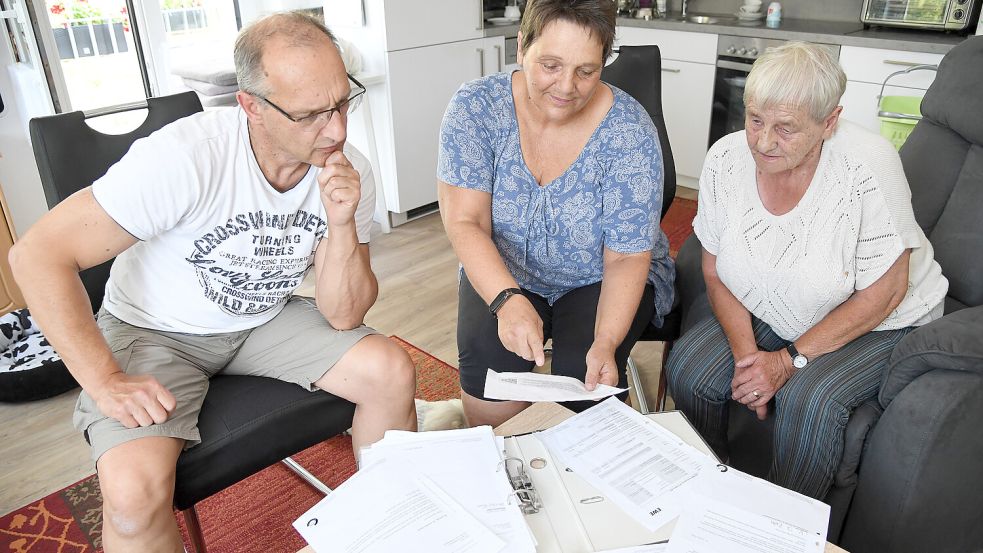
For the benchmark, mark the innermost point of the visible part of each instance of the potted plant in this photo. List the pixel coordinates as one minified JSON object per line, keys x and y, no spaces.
{"x":89,"y":28}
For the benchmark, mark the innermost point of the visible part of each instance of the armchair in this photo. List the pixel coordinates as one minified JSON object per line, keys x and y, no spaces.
{"x":910,"y":477}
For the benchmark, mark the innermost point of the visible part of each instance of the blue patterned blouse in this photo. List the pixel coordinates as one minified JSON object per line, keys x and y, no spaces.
{"x":552,"y":237}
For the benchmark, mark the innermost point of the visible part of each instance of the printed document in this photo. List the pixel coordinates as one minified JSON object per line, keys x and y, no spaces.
{"x":635,"y":462}
{"x":652,"y":548}
{"x":384,"y":508}
{"x":730,"y":507}
{"x":710,"y":526}
{"x":542,"y":387}
{"x":468,"y":464}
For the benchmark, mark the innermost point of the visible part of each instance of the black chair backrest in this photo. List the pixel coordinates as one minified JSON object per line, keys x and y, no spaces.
{"x":71,"y":155}
{"x":943,"y":161}
{"x":638,"y":71}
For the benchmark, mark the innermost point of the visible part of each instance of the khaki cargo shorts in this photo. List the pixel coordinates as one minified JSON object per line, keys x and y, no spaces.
{"x":297,"y":346}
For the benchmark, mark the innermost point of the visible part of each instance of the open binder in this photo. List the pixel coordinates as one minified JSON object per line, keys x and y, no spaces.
{"x":568,"y":515}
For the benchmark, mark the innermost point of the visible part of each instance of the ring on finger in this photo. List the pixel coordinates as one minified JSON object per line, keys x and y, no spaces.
{"x":756,"y":394}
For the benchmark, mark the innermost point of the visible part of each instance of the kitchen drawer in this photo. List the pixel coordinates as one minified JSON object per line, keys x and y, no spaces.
{"x":674,"y":45}
{"x":873,"y":65}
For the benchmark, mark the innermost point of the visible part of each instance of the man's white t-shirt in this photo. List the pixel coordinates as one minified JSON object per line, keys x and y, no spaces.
{"x":851,"y":225}
{"x":220,"y":250}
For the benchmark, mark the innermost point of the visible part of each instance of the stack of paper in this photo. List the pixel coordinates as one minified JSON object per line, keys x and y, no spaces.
{"x":430,"y":492}
{"x":645,"y":469}
{"x":655,"y":477}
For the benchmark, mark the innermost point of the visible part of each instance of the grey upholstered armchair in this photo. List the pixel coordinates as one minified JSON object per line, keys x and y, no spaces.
{"x":911,"y":479}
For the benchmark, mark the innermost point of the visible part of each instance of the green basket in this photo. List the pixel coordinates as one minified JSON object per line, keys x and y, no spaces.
{"x":898,"y":115}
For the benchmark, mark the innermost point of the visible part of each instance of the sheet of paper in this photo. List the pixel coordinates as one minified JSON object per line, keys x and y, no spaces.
{"x":542,"y":387}
{"x":642,"y":467}
{"x":652,"y":548}
{"x":710,"y":526}
{"x":467,"y":465}
{"x":385,"y":507}
{"x":761,"y":498}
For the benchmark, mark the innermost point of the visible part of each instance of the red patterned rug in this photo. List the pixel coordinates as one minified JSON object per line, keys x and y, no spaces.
{"x":678,"y":223}
{"x":254,"y":515}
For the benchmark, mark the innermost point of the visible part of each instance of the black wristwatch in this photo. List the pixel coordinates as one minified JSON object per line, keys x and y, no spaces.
{"x":799,"y":361}
{"x":500,"y":300}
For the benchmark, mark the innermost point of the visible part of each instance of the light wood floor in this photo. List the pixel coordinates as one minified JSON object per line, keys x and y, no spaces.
{"x":40,"y":451}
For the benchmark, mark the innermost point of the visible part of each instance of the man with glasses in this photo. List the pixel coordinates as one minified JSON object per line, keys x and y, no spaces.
{"x":214,"y":221}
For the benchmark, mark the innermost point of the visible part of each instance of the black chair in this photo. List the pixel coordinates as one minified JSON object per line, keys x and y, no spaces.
{"x":246,"y":423}
{"x":638,"y":71}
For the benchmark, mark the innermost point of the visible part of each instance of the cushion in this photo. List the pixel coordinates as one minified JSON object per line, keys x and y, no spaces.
{"x":216,"y":71}
{"x":950,"y":343}
{"x":954,"y":99}
{"x":209,"y":89}
{"x":29,"y":367}
{"x":228,"y":99}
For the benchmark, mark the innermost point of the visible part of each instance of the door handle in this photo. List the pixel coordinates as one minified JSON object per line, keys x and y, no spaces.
{"x":498,"y":57}
{"x":670,"y":70}
{"x":901,"y":63}
{"x":481,"y":61}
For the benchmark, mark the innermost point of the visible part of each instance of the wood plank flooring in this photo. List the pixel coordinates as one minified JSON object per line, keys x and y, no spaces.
{"x":40,"y":451}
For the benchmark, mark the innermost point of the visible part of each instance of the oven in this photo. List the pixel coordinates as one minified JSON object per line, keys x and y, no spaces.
{"x":735,"y":55}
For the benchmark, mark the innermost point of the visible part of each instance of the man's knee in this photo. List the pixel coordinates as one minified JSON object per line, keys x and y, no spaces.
{"x":388,"y":369}
{"x":135,"y":493}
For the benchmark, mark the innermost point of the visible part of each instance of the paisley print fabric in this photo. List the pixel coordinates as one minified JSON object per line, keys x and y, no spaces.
{"x":552,"y":237}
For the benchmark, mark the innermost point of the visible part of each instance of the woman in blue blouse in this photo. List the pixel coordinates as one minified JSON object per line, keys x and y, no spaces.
{"x":550,"y":190}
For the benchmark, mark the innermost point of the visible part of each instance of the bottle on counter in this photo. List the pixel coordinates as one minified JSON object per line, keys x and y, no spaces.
{"x":774,"y":17}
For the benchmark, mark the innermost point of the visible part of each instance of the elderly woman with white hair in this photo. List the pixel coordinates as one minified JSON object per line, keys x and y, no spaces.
{"x":814,"y":268}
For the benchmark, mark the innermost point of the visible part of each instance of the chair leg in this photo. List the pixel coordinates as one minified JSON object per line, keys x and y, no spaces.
{"x":194,"y":530}
{"x":660,"y":398}
{"x":636,"y":384}
{"x":306,"y":476}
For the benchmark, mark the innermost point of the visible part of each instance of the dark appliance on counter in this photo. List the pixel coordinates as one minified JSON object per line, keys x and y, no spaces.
{"x":496,"y":8}
{"x":938,"y":15}
{"x":735,"y":55}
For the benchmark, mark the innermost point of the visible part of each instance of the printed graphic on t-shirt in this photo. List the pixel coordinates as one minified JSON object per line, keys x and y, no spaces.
{"x":255,"y":261}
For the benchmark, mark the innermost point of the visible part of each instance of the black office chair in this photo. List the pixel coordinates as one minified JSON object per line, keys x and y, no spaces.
{"x":246,"y":423}
{"x":638,"y":71}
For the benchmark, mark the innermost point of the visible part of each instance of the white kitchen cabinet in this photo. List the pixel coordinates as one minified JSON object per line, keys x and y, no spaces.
{"x":425,"y":50}
{"x":867,"y":68}
{"x":421,"y":83}
{"x":688,"y":66}
{"x":687,"y":97}
{"x":411,"y":24}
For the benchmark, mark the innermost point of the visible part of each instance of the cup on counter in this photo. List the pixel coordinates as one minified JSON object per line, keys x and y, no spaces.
{"x":751,"y":7}
{"x":512,"y":12}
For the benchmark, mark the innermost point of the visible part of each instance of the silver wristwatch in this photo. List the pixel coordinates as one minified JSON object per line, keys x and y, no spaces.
{"x":799,"y":361}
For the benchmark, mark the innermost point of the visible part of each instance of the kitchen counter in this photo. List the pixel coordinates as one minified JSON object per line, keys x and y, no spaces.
{"x":828,"y":32}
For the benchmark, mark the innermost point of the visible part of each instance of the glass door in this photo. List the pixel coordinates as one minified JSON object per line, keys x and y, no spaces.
{"x":192,"y":42}
{"x":94,"y":45}
{"x":727,"y":112}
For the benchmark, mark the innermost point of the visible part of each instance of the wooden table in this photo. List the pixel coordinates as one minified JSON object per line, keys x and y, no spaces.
{"x":540,"y":416}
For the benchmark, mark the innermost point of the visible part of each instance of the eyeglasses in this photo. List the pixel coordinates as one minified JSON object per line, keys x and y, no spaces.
{"x":321,"y":118}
